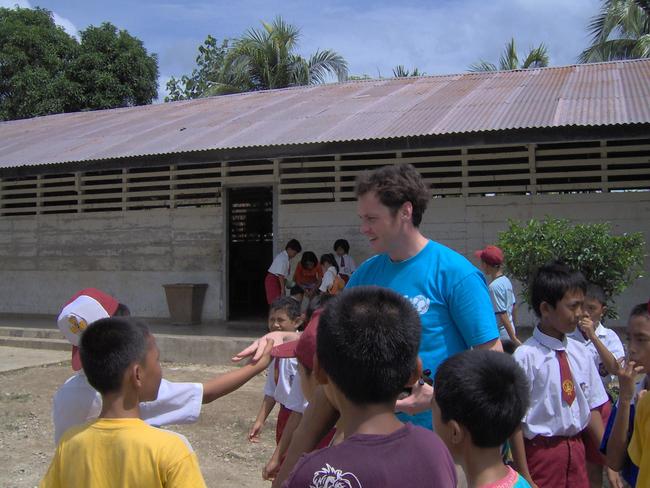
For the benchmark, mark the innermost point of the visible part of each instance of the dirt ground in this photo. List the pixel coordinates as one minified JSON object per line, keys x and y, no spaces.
{"x":226,"y":457}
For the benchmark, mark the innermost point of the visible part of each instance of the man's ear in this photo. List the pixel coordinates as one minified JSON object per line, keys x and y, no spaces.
{"x":321,"y":375}
{"x":415,"y":374}
{"x":406,"y":210}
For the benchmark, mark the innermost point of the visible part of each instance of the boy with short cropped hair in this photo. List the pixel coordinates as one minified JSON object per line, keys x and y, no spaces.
{"x":278,"y":272}
{"x":121,"y":361}
{"x":366,"y":352}
{"x":565,"y":387}
{"x":479,"y":400}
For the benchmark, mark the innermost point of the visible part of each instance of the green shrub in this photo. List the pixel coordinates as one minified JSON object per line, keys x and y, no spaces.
{"x":610,"y":261}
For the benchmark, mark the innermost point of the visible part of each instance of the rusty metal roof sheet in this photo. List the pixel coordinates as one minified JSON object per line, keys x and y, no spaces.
{"x":581,"y":95}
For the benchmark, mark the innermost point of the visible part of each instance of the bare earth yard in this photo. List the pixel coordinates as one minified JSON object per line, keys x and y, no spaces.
{"x":226,"y":457}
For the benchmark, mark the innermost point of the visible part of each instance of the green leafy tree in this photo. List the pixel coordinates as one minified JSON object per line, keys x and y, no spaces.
{"x":35,"y":56}
{"x":610,"y":261}
{"x":209,"y":62}
{"x":114,"y":69}
{"x":536,"y":58}
{"x":43,"y":70}
{"x":265,"y":58}
{"x":400,"y":71}
{"x":620,"y":31}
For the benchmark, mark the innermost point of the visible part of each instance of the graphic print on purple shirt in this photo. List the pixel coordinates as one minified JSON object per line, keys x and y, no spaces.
{"x":411,"y":456}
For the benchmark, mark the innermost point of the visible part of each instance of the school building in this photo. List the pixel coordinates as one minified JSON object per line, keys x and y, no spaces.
{"x":208,"y":190}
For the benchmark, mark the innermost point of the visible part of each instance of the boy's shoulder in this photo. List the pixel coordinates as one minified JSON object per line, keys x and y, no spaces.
{"x":415,"y":453}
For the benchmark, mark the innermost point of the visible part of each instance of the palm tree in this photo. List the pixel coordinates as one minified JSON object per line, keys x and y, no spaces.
{"x":620,"y":31}
{"x":536,"y":58}
{"x":400,"y":71}
{"x":264,"y":59}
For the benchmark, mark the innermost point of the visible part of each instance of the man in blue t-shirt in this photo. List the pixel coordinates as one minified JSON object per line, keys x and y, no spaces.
{"x":447,"y":290}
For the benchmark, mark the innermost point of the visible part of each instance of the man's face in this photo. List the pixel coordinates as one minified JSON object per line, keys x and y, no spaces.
{"x":151,"y":372}
{"x":378,"y":224}
{"x":564,"y":317}
{"x":638,"y":340}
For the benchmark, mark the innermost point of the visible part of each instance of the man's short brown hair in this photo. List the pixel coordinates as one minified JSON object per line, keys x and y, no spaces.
{"x":396,"y":185}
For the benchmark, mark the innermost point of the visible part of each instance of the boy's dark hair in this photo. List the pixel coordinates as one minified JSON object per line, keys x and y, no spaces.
{"x":641,"y":310}
{"x":597,"y":293}
{"x":287,"y":304}
{"x":293,"y":244}
{"x":484,"y":391}
{"x":108,"y":347}
{"x":552,"y":281}
{"x":367,"y":343}
{"x":308,"y":257}
{"x":329,"y":259}
{"x":396,"y":185}
{"x":508,"y":346}
{"x":342,"y":243}
{"x":122,"y":311}
{"x":296,"y":290}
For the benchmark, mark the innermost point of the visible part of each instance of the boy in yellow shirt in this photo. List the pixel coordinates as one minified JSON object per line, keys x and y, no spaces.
{"x":121,"y":360}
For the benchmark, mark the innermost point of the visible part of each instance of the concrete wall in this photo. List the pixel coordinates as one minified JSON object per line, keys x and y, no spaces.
{"x":45,"y":259}
{"x":467,"y":224}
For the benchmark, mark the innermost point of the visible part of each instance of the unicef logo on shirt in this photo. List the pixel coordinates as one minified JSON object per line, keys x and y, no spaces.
{"x":421,"y":303}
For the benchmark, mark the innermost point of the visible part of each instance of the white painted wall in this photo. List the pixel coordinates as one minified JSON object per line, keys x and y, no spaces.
{"x":468,"y":224}
{"x":45,"y":259}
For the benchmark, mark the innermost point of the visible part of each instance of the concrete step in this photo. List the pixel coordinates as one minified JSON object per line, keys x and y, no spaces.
{"x":31,"y":332}
{"x":35,"y":343}
{"x":173,"y":348}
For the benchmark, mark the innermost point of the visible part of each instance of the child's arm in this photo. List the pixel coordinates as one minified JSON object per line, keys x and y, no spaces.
{"x":595,"y":427}
{"x":273,"y":465}
{"x":618,"y":438}
{"x":609,"y":361}
{"x":228,"y":382}
{"x":510,"y":329}
{"x":519,"y":456}
{"x":265,"y":409}
{"x":319,"y":417}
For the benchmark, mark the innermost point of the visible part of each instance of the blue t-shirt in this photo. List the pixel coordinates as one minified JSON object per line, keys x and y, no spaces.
{"x":449,"y":293}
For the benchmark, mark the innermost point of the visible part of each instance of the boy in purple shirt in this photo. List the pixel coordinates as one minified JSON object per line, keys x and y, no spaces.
{"x":366,"y":352}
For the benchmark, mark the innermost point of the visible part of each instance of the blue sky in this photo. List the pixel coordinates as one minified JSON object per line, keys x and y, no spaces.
{"x":436,"y":36}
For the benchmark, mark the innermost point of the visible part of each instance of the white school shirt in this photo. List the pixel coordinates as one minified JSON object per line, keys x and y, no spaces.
{"x":76,"y":402}
{"x":348,"y":267}
{"x":328,"y":279}
{"x":611,"y":341}
{"x":548,"y":415}
{"x":280,"y":265}
{"x":287,"y":391}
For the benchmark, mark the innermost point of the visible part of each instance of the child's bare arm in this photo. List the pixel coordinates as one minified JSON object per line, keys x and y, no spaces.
{"x":319,"y":417}
{"x":510,"y":328}
{"x":595,"y":427}
{"x":265,"y":409}
{"x":608,"y":359}
{"x":519,"y":455}
{"x":228,"y":382}
{"x":273,"y":465}
{"x":617,"y":442}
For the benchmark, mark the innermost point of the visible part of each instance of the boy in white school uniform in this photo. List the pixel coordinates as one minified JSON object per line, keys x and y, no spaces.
{"x":278,"y":272}
{"x":565,"y":387}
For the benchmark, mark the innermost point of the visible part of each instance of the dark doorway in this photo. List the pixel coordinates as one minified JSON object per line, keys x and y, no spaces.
{"x":250,"y":228}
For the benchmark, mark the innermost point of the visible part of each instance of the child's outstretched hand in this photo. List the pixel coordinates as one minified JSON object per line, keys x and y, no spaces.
{"x":266,"y":358}
{"x":257,"y":348}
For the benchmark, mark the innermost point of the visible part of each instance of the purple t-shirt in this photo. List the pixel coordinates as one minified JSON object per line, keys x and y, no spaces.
{"x":411,"y":456}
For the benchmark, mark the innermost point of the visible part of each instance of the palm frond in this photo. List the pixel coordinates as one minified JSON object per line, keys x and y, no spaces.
{"x":324,"y":63}
{"x":537,"y":58}
{"x":509,"y":59}
{"x":481,"y":66}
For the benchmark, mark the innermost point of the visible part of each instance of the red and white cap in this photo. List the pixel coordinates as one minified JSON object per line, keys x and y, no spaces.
{"x":84,"y":308}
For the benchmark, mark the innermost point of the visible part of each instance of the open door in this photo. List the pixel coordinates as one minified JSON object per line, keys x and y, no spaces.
{"x":250,"y":241}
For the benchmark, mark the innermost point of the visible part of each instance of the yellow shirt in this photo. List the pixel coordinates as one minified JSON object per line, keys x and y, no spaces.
{"x":122,"y":453}
{"x":639,"y":448}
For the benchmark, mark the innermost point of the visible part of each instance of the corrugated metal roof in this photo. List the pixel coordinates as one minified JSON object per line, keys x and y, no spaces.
{"x":581,"y":95}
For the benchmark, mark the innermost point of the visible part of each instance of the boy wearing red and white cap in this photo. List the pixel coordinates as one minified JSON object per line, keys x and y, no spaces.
{"x":501,"y":292}
{"x":76,"y":402}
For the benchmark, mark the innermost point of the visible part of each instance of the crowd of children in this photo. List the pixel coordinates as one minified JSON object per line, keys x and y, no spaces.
{"x":540,"y":417}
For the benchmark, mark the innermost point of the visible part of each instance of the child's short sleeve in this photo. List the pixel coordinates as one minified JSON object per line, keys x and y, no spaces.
{"x":614,"y":344}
